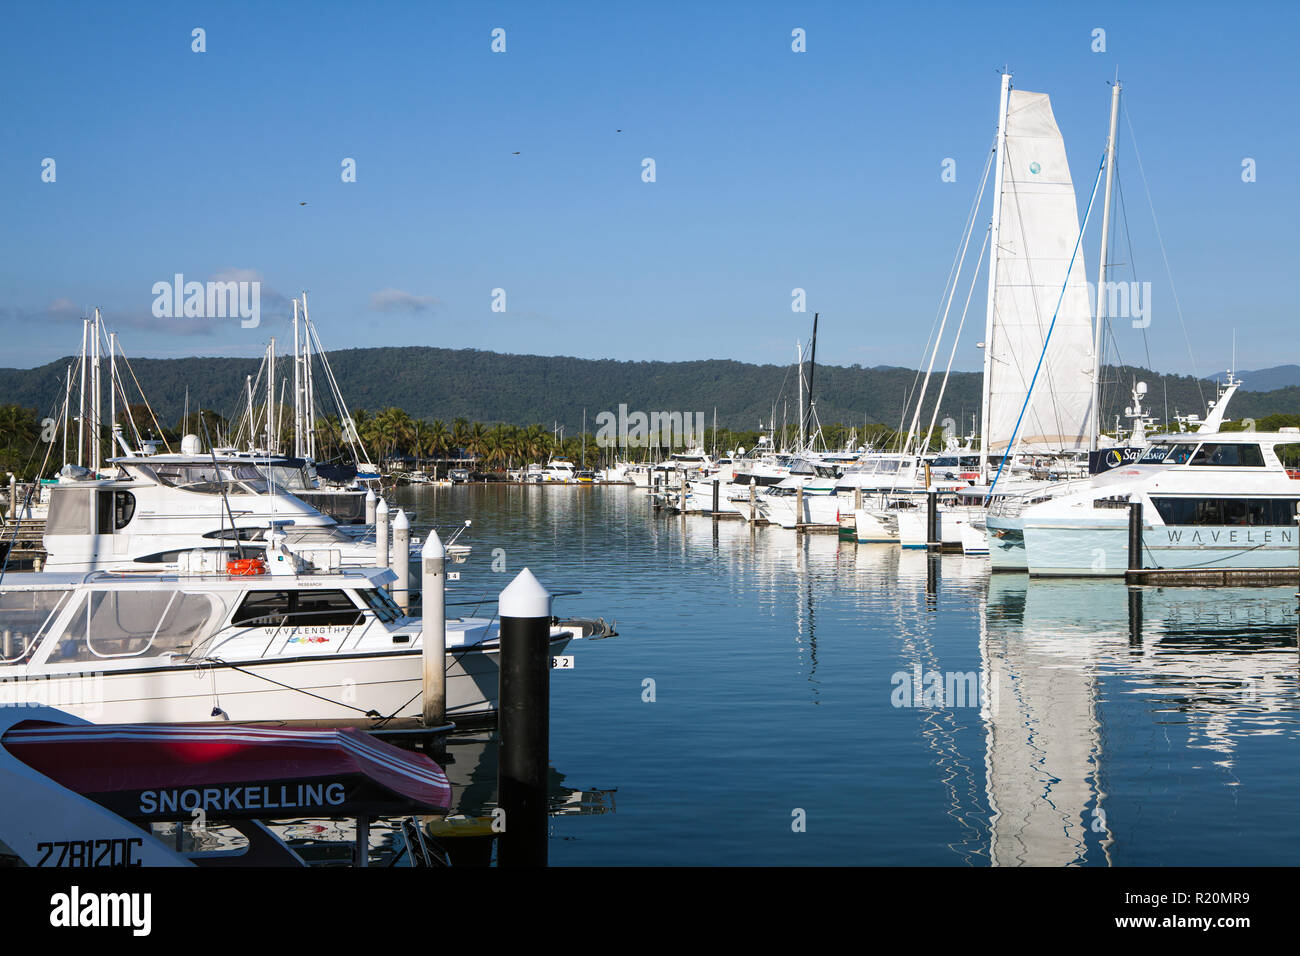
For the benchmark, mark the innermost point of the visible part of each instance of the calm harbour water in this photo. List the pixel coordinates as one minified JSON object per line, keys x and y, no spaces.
{"x":798,"y":673}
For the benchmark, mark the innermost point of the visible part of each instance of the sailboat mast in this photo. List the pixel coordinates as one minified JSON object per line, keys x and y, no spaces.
{"x":993,"y":273}
{"x":112,"y":394}
{"x":270,"y":394}
{"x":81,"y":408}
{"x":94,"y":378}
{"x":799,"y":351}
{"x":308,"y":388}
{"x":67,"y":412}
{"x":1095,"y":429}
{"x":812,"y":371}
{"x":252,"y":422}
{"x":297,"y":387}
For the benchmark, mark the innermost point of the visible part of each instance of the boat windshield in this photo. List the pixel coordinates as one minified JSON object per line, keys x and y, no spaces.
{"x":385,"y":607}
{"x":24,"y":616}
{"x":209,"y":479}
{"x":1178,"y":454}
{"x":325,"y":534}
{"x":133,"y":623}
{"x":284,"y":476}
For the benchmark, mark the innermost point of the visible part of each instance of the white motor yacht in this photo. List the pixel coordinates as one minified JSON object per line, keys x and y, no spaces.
{"x":204,"y":643}
{"x":1224,"y":500}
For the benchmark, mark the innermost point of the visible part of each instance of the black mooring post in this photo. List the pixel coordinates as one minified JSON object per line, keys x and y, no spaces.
{"x":1134,"y":536}
{"x":932,"y":519}
{"x":1135,"y":616}
{"x":524,"y":720}
{"x":715,"y":497}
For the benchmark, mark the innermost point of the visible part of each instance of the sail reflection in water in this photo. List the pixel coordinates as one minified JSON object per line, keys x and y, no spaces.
{"x":1072,"y":660}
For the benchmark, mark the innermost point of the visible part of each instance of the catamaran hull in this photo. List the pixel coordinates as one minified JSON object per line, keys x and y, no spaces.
{"x":1006,"y":544}
{"x":1071,"y":551}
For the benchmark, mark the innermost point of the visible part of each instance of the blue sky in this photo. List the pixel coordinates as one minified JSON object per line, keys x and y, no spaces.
{"x":774,"y":170}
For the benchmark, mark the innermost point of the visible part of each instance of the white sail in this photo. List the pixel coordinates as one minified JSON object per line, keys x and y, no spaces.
{"x":1037,"y":229}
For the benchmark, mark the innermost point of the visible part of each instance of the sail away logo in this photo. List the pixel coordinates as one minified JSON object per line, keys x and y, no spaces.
{"x":639,"y":429}
{"x":179,"y":299}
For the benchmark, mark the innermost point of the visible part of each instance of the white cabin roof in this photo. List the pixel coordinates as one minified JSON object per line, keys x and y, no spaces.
{"x":61,"y":580}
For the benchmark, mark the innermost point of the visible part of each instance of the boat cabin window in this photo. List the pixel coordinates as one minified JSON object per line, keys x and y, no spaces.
{"x":1253,"y":512}
{"x":70,"y":511}
{"x":1289,"y":455}
{"x":1247,"y":456}
{"x":243,"y":534}
{"x":24,"y":615}
{"x":128,"y":623}
{"x":297,"y":609}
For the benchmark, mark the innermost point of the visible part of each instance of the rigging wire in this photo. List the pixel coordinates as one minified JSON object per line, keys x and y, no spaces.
{"x":1163,"y":253}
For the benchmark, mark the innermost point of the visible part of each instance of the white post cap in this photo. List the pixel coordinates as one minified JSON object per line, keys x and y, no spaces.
{"x":400,"y":523}
{"x":433,"y":546}
{"x":525,"y":597}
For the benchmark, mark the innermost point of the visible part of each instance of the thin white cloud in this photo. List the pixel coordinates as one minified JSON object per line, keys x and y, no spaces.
{"x":63,"y":308}
{"x":395,"y":300}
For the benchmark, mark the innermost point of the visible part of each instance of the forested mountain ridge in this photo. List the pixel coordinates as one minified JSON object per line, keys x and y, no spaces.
{"x":524,"y":389}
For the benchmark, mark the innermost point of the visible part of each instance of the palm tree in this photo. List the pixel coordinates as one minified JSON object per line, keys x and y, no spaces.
{"x":460,"y":433}
{"x":439,"y":436}
{"x":421,"y":445}
{"x":476,"y":439}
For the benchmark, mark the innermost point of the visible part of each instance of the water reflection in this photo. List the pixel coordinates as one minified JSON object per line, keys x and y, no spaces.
{"x":1110,"y":723}
{"x":1064,"y":658}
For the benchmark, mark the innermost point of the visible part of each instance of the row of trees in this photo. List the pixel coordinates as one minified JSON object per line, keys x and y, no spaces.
{"x":390,"y":436}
